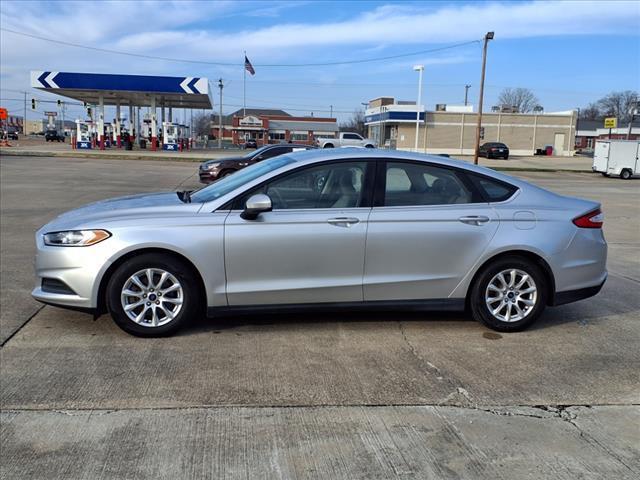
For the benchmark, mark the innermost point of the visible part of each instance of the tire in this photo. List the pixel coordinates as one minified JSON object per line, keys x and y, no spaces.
{"x":178,"y":272}
{"x":506,"y":157}
{"x":480,"y":292}
{"x":369,"y":146}
{"x":328,"y":145}
{"x":625,"y":174}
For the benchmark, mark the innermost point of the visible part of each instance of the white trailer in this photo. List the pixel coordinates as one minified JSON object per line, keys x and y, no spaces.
{"x":617,"y":157}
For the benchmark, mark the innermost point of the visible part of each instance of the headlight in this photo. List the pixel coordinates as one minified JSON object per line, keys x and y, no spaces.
{"x":211,"y":166}
{"x":75,"y":238}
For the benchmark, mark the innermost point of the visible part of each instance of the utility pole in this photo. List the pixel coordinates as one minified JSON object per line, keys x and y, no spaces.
{"x":466,"y":94}
{"x":419,"y":69}
{"x":220,"y":86}
{"x":331,"y":111}
{"x":487,"y":37}
{"x":24,"y":119}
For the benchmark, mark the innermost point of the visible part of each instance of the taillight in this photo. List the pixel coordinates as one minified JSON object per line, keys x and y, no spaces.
{"x":593,"y":219}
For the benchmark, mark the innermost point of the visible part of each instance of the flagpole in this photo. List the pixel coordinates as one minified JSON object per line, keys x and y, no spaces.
{"x":244,"y":85}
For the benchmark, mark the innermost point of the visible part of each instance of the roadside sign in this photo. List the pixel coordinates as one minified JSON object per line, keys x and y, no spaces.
{"x":3,"y":114}
{"x":51,"y":114}
{"x":611,"y":122}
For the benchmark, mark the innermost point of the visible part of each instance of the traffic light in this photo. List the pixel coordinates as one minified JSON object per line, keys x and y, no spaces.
{"x":33,"y":104}
{"x":89,"y":111}
{"x":59,"y":102}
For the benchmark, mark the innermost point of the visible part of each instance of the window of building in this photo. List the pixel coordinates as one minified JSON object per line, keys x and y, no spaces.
{"x":276,"y":136}
{"x":589,"y":142}
{"x":300,"y":137}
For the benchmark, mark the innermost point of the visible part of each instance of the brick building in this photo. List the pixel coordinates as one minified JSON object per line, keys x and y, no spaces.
{"x":393,"y":124}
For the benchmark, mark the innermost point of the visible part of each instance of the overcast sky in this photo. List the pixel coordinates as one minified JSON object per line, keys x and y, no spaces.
{"x":568,"y":53}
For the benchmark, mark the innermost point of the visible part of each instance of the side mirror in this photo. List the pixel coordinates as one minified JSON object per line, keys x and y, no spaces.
{"x":255,"y":206}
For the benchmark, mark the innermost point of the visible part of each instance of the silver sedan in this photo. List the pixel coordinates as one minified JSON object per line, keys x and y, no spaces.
{"x":347,"y":228}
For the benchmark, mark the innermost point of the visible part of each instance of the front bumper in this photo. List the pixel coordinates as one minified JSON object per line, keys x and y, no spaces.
{"x":208,"y":176}
{"x":80,"y":268}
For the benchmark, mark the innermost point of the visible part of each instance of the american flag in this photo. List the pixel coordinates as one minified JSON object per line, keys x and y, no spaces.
{"x":248,"y":67}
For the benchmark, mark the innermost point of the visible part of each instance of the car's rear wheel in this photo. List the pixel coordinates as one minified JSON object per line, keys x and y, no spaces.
{"x":625,"y":174}
{"x":328,"y":145}
{"x":152,"y":295}
{"x":509,"y":294}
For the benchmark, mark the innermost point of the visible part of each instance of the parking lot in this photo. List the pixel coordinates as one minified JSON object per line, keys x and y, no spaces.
{"x":366,"y":395}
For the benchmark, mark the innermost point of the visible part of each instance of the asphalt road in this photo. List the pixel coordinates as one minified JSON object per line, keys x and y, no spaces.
{"x":311,"y":396}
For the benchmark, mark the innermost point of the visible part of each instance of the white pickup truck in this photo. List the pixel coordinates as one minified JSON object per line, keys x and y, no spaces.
{"x":345,"y":139}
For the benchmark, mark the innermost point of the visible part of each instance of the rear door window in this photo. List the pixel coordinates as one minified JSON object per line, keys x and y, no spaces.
{"x":408,"y":184}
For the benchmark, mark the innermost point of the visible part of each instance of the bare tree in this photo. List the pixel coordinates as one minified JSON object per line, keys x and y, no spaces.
{"x":522,"y":99}
{"x":618,"y":104}
{"x":590,"y":112}
{"x":355,"y":123}
{"x":202,"y":124}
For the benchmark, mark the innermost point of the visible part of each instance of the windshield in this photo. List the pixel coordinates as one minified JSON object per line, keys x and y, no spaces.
{"x":231,"y":182}
{"x":256,"y":152}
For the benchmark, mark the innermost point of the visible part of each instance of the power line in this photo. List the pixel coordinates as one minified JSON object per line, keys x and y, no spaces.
{"x":227,"y":64}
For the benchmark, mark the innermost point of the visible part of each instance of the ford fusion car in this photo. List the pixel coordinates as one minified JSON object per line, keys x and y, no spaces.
{"x":327,"y":229}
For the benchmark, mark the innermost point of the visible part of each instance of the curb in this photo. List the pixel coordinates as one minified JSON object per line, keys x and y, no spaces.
{"x":106,"y":156}
{"x":176,"y":158}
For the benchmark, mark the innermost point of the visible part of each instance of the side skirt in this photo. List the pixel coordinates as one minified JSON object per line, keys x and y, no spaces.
{"x":436,"y":305}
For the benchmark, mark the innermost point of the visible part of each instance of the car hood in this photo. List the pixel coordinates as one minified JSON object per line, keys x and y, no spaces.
{"x":98,"y":214}
{"x":226,"y":159}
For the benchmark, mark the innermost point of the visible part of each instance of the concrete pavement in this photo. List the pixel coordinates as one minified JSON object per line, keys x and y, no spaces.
{"x":328,"y":442}
{"x":378,"y":395}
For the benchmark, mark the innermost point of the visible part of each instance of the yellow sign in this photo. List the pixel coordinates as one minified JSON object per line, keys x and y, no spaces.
{"x":611,"y":122}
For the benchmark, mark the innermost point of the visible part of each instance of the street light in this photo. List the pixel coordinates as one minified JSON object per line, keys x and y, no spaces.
{"x":487,"y":37}
{"x":420,"y":69}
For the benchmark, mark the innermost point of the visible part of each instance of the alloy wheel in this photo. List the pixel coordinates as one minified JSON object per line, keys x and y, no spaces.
{"x":152,"y":297}
{"x":511,"y":295}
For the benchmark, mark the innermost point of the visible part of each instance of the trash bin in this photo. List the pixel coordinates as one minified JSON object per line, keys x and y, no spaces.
{"x":549,"y":149}
{"x":143,"y":143}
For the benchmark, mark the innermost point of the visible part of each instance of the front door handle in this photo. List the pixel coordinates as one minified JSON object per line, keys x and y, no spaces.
{"x":343,"y":221}
{"x":476,"y":220}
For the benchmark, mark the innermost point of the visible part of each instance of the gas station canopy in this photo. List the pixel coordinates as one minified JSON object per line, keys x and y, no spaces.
{"x":132,"y":90}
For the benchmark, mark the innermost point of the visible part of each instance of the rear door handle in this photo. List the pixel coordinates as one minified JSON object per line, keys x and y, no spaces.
{"x":343,"y":221}
{"x":476,"y":220}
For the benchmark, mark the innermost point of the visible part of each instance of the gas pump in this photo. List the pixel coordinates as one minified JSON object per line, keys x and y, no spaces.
{"x":83,"y":134}
{"x":108,"y":134}
{"x":170,"y":136}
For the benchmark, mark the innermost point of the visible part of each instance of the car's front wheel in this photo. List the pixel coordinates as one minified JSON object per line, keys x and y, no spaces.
{"x":509,"y":294}
{"x":153,"y":295}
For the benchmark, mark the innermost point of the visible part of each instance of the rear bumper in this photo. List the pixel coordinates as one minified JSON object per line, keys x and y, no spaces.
{"x":562,"y":298}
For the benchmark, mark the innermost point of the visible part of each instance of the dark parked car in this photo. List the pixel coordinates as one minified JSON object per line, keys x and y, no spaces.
{"x":251,"y":143}
{"x":12,"y":133}
{"x":212,"y":170}
{"x":494,"y":150}
{"x":53,"y":136}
